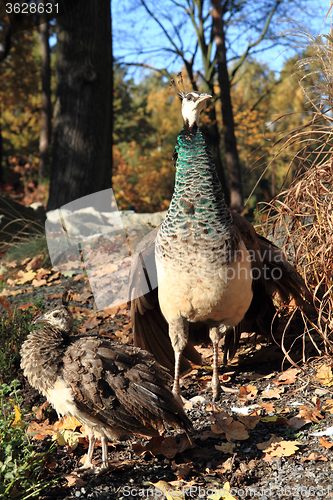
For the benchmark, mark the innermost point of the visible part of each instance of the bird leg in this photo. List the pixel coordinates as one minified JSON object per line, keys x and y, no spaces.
{"x":88,"y":463}
{"x":178,"y":331}
{"x":215,"y":334}
{"x":105,"y":463}
{"x":215,"y":338}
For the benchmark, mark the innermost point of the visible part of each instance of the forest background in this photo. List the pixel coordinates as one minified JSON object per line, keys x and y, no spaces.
{"x":255,"y":44}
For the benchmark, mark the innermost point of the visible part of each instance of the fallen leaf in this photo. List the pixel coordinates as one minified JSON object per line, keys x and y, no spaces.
{"x":67,"y":437}
{"x":274,"y":420}
{"x":106,"y":269}
{"x":207,"y":435}
{"x":226,"y":447}
{"x":83,"y":297}
{"x":78,"y":277}
{"x":41,"y":430}
{"x":39,"y":413}
{"x":328,"y":406}
{"x":25,"y":261}
{"x":268,"y":407}
{"x":90,"y":323}
{"x":233,"y":429}
{"x":67,"y":423}
{"x":297,"y":422}
{"x":323,"y":442}
{"x":6,"y":305}
{"x":181,"y":470}
{"x":287,"y":377}
{"x":11,"y":264}
{"x":26,"y":277}
{"x":171,"y":492}
{"x":54,"y":276}
{"x":247,"y":393}
{"x":17,"y":422}
{"x":36,"y":283}
{"x":23,"y":307}
{"x":35,"y":263}
{"x":74,"y":480}
{"x":316,"y":401}
{"x":277,"y":447}
{"x":250,"y":421}
{"x":42,"y":273}
{"x":272,"y":393}
{"x":222,"y":494}
{"x":324,"y":375}
{"x":310,"y":414}
{"x":227,"y":465}
{"x":11,"y":281}
{"x":314,"y":456}
{"x":188,"y":405}
{"x":169,"y":447}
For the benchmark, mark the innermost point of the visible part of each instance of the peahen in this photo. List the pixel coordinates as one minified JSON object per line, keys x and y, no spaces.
{"x":114,"y":390}
{"x":216,"y":275}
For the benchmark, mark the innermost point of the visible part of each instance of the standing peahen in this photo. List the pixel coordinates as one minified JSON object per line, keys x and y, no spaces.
{"x":214,"y":272}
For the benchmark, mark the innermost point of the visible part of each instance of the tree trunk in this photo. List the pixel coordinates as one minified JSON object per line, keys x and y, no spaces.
{"x":82,"y":147}
{"x":45,"y":133}
{"x":232,"y":159}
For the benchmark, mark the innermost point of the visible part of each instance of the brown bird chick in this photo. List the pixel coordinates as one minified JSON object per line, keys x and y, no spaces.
{"x":114,"y":390}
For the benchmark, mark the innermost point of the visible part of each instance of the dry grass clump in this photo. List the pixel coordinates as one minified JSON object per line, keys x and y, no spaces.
{"x":300,"y":218}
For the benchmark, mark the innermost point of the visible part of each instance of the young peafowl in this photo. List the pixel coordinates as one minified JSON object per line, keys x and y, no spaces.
{"x":114,"y":390}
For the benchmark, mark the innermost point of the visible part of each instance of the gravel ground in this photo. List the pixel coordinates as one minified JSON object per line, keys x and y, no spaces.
{"x":202,"y":470}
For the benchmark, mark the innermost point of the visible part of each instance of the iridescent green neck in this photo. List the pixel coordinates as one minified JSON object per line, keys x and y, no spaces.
{"x":197,"y":182}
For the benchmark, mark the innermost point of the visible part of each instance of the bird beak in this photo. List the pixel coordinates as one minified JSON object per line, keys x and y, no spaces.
{"x":40,"y":319}
{"x":204,"y":97}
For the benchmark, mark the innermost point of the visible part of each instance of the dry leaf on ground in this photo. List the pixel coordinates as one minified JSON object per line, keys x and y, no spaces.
{"x":25,"y":277}
{"x":233,"y":429}
{"x":268,"y":407}
{"x":323,"y":442}
{"x":272,"y":393}
{"x":328,"y":406}
{"x":169,"y":447}
{"x":277,"y":447}
{"x":226,"y":447}
{"x":287,"y":377}
{"x":250,"y":421}
{"x":181,"y":470}
{"x":324,"y":375}
{"x":314,"y":456}
{"x":171,"y":492}
{"x":247,"y":393}
{"x":74,"y":480}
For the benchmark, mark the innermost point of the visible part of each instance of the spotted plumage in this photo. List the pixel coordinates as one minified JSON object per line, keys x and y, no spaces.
{"x":113,"y":389}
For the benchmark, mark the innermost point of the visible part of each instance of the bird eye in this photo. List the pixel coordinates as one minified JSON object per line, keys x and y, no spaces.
{"x":56,"y":315}
{"x":189,"y":97}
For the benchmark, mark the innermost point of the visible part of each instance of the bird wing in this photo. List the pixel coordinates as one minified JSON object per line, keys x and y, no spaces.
{"x":121,"y":386}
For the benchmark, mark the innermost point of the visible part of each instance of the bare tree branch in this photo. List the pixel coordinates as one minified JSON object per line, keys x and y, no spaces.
{"x":259,"y":39}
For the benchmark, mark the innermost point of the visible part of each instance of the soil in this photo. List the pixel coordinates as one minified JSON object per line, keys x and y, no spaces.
{"x":205,"y":468}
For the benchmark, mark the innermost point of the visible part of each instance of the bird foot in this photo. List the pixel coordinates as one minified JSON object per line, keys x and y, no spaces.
{"x":86,"y":468}
{"x":92,"y":470}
